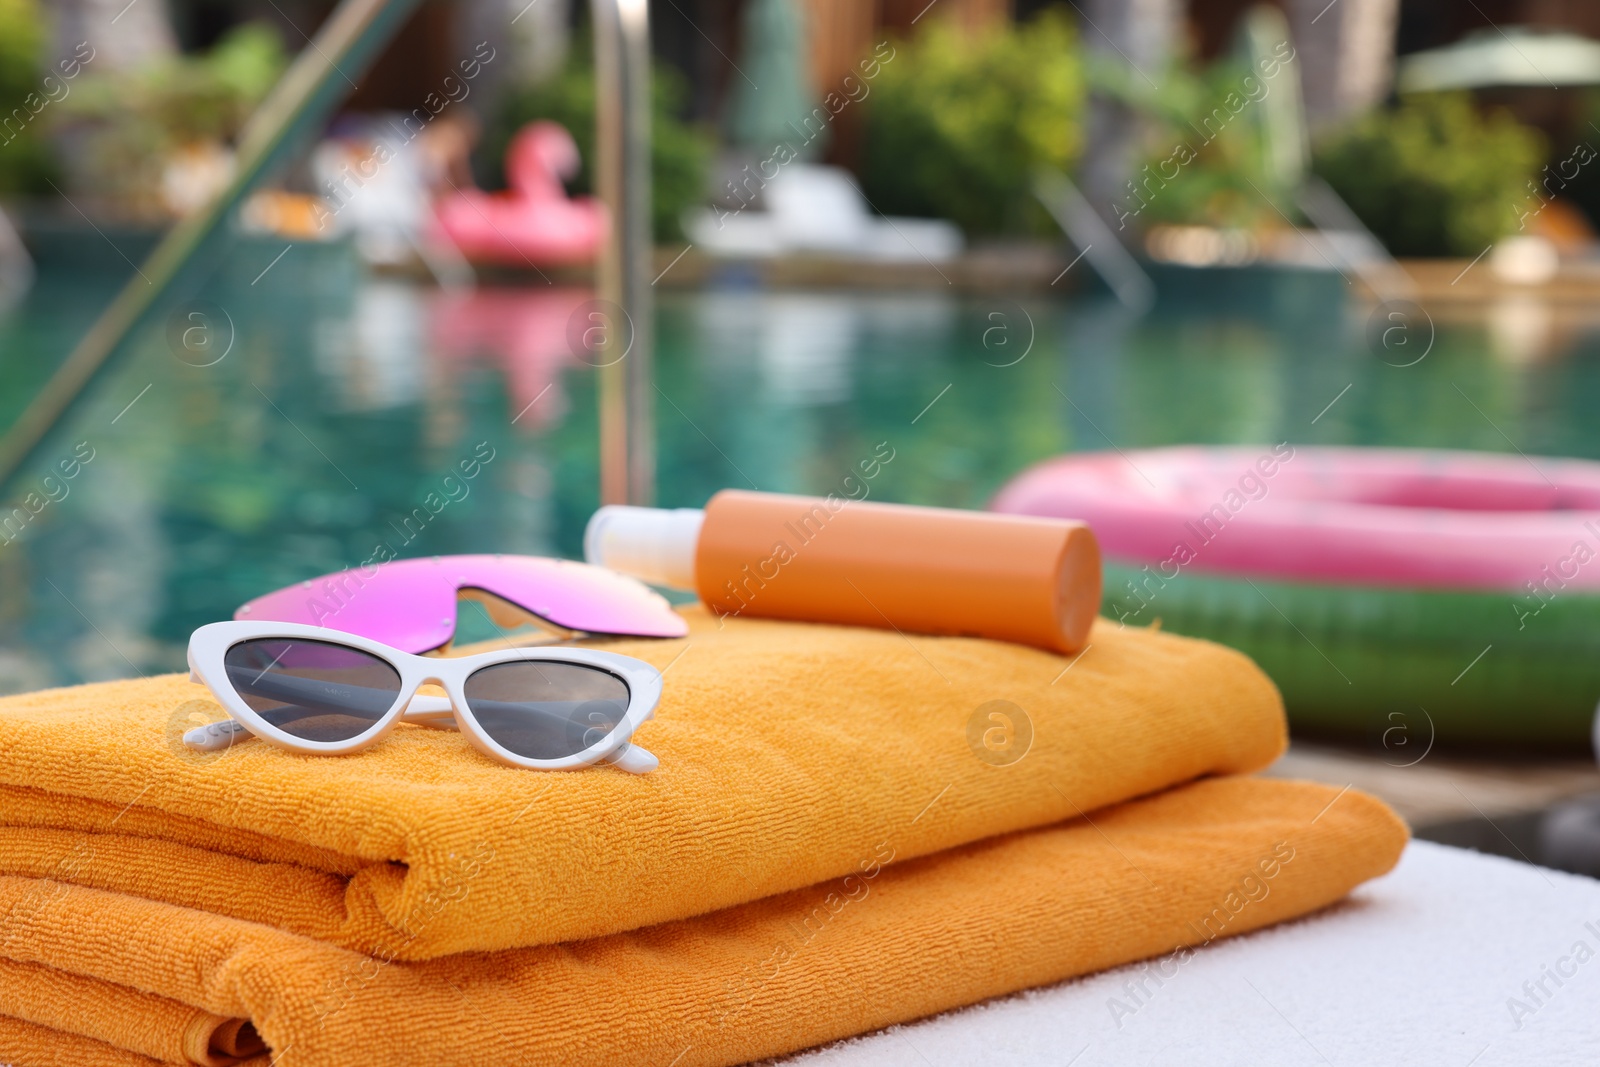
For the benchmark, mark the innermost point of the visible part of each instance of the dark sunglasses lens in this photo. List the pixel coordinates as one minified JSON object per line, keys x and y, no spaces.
{"x":544,"y":710}
{"x":315,"y":690}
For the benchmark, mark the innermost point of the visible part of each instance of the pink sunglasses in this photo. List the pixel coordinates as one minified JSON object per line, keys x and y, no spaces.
{"x":410,"y":604}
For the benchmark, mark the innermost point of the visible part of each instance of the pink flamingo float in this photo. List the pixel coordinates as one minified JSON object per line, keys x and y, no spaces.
{"x":534,"y":221}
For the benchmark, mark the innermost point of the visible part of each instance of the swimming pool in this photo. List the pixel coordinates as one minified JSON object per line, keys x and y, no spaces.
{"x":340,"y":409}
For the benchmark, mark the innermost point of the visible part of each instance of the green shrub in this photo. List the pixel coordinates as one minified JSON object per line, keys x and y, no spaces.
{"x":21,"y":43}
{"x":1572,"y":172}
{"x":129,"y":123}
{"x":24,"y":162}
{"x":1433,"y":177}
{"x":1205,"y":157}
{"x":187,"y":98}
{"x":679,"y":152}
{"x":958,"y":121}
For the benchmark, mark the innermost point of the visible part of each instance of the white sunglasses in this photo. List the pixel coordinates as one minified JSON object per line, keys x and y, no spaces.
{"x":325,"y":692}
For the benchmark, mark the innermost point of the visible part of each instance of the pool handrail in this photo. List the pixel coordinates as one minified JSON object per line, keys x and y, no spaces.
{"x":622,"y":168}
{"x":298,"y":105}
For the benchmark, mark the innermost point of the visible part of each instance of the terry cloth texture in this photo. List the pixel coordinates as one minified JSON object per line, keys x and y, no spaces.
{"x":786,"y":750}
{"x":890,"y":942}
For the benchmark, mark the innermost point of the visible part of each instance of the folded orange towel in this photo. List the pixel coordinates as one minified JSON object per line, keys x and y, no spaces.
{"x":136,"y":1023}
{"x":881,"y":945}
{"x":786,"y":751}
{"x":25,"y":1043}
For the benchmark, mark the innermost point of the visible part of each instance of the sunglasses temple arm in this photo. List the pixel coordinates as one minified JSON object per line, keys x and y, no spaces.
{"x":633,"y":759}
{"x":216,"y":736}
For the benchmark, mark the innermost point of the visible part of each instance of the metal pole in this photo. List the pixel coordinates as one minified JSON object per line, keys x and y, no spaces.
{"x":297,"y":107}
{"x":622,"y":139}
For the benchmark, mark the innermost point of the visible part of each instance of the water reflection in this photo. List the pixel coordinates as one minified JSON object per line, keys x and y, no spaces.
{"x":526,"y":333}
{"x":374,"y":358}
{"x":345,"y":402}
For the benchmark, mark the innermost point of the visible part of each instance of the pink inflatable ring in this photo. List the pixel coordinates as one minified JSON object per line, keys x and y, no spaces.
{"x":1405,"y":595}
{"x":1348,"y":516}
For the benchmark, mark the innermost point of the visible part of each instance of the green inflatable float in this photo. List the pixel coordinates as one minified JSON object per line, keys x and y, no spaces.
{"x":1405,"y":595}
{"x":1400,"y":666}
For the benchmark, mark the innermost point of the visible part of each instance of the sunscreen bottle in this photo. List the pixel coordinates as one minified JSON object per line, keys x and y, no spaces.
{"x":1033,"y":581}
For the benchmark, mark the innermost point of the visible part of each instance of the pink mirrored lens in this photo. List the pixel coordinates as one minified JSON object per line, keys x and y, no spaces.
{"x":410,"y":604}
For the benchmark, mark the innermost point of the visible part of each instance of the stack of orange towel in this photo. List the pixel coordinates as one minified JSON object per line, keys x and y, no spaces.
{"x":822,"y":852}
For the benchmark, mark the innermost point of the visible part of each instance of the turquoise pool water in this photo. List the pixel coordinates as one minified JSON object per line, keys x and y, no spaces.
{"x":344,"y":404}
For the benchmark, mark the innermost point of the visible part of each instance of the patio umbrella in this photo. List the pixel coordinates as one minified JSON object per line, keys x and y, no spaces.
{"x":1514,"y":56}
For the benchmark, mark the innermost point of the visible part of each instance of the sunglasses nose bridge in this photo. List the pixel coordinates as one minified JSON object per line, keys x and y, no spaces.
{"x":433,"y":679}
